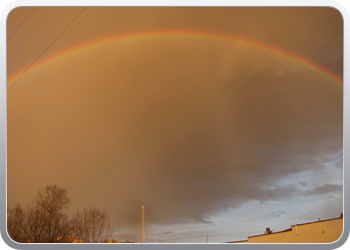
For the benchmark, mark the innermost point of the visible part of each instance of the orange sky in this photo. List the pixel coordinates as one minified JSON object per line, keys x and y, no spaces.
{"x":192,"y":128}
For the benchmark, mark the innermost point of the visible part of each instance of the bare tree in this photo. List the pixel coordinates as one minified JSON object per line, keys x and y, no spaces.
{"x":16,"y":226}
{"x":91,"y":225}
{"x":43,"y":220}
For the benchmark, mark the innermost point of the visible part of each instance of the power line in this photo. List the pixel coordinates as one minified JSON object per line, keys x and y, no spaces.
{"x":20,"y":24}
{"x":46,"y":49}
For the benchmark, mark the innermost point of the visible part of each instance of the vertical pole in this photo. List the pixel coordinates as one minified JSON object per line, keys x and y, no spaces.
{"x":143,"y":224}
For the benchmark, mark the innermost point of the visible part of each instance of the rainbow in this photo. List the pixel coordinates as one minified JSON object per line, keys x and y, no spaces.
{"x":11,"y":80}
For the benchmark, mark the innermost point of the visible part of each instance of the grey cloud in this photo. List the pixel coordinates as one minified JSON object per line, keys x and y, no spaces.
{"x":303,"y":183}
{"x":163,"y":233}
{"x":276,"y":214}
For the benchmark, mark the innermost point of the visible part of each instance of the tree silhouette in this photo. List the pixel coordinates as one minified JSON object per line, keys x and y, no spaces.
{"x":43,"y":220}
{"x":91,"y":225}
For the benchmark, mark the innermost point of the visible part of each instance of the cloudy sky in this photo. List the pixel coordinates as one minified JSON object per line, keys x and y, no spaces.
{"x":220,"y":121}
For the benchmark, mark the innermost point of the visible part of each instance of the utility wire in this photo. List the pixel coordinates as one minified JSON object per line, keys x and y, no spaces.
{"x":20,"y":24}
{"x":46,"y":49}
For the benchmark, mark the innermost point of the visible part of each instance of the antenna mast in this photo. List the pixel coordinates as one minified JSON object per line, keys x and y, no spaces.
{"x":143,"y":224}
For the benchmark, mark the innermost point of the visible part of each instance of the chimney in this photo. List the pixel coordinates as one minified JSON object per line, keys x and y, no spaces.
{"x":268,"y":231}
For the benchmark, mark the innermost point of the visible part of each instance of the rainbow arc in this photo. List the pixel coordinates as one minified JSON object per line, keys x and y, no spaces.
{"x":179,"y":33}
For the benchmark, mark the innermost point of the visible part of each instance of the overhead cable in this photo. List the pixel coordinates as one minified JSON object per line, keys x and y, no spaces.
{"x":46,"y":49}
{"x":20,"y":24}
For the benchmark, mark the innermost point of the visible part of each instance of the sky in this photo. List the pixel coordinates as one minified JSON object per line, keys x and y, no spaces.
{"x":220,"y":121}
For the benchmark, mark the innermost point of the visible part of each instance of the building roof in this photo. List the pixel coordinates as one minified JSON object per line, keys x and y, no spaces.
{"x":288,"y":229}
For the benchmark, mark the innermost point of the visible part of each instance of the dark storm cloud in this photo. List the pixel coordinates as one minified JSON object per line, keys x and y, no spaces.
{"x":183,"y":151}
{"x":187,"y":128}
{"x":326,"y":188}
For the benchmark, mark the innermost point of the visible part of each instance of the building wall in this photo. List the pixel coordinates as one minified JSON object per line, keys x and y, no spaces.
{"x":326,"y":231}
